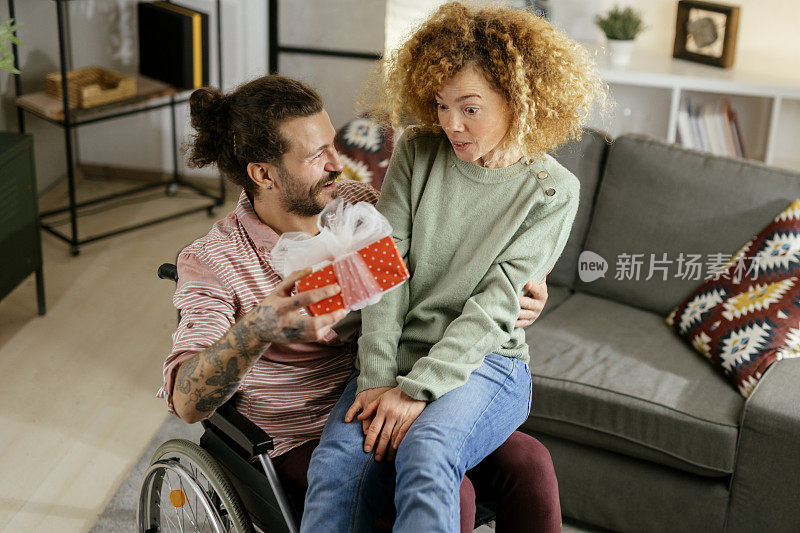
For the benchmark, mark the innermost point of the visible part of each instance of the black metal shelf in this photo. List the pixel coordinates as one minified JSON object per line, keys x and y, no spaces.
{"x":75,"y":118}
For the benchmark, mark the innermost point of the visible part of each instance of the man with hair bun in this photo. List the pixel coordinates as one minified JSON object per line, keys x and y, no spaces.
{"x":244,"y":333}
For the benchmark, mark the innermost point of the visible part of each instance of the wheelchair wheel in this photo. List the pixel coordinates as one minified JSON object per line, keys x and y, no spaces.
{"x":184,"y":489}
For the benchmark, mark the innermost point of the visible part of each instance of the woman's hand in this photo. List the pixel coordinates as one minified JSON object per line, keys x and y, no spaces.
{"x":394,"y":412}
{"x":531,"y":307}
{"x":363,"y":400}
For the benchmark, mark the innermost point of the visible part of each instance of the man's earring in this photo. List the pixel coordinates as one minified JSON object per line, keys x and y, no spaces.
{"x":270,"y":187}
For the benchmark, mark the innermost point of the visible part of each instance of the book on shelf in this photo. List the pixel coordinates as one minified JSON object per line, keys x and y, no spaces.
{"x":736,"y":132}
{"x":710,"y":127}
{"x":725,"y":126}
{"x":173,"y":44}
{"x":694,"y":121}
{"x":685,"y":126}
{"x":709,"y":117}
{"x":701,"y":128}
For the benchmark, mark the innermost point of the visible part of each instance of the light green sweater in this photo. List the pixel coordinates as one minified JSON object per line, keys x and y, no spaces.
{"x":471,"y":238}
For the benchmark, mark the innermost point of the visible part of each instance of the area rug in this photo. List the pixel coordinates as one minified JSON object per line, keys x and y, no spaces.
{"x":120,"y":513}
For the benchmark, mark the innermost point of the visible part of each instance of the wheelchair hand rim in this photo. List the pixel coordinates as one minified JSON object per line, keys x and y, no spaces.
{"x":146,"y":493}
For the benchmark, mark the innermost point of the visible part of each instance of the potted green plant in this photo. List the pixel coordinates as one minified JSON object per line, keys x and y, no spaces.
{"x":8,"y":37}
{"x":621,"y":26}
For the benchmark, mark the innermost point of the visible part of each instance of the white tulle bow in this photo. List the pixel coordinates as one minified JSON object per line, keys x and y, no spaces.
{"x":343,"y":230}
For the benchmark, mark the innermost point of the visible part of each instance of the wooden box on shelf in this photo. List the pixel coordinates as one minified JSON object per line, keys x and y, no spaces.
{"x":43,"y":104}
{"x":91,"y":86}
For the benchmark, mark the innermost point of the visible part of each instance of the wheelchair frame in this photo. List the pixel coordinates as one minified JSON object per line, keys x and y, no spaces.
{"x":233,"y":441}
{"x":267,"y":504}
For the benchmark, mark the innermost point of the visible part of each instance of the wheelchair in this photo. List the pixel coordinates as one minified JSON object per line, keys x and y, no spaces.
{"x":226,"y":483}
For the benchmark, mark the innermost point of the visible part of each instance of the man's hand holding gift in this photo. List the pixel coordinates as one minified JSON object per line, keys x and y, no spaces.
{"x":353,"y":249}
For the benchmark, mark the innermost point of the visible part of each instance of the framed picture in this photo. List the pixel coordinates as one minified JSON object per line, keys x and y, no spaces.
{"x":706,"y":32}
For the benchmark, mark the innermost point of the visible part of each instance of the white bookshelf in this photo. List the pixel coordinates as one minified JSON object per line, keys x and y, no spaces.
{"x":647,"y":94}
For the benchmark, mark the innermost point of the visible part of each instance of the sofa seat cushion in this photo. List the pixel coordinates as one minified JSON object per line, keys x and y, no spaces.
{"x":615,"y":377}
{"x":556,"y":295}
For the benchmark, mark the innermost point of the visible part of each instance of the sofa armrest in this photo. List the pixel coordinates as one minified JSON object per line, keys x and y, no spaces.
{"x":765,"y":488}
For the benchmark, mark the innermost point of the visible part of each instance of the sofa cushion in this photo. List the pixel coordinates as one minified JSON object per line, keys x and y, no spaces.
{"x":745,"y":317}
{"x":612,"y":376}
{"x":556,"y":295}
{"x":585,"y":159}
{"x":658,"y":198}
{"x":615,"y":492}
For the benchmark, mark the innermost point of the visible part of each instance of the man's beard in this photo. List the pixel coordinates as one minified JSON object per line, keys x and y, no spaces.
{"x":301,"y":201}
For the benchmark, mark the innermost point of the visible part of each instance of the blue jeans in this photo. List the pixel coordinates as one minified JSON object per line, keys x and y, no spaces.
{"x":347,"y":488}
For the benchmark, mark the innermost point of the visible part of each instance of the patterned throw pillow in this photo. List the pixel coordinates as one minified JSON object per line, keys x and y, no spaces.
{"x":747,"y":315}
{"x":365,"y":148}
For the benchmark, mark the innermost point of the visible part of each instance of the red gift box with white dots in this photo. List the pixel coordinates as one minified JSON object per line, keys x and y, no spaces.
{"x":384,"y":262}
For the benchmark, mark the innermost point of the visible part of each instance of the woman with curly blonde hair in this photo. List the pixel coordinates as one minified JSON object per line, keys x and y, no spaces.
{"x":477,"y":207}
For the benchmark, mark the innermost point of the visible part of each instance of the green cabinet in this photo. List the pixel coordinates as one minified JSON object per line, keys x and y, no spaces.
{"x":20,"y":242}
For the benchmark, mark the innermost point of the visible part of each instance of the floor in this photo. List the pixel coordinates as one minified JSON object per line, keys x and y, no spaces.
{"x":78,"y":385}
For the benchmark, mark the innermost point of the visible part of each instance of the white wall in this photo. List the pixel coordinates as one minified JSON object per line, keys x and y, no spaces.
{"x":767,"y":40}
{"x":403,"y":15}
{"x":351,"y":25}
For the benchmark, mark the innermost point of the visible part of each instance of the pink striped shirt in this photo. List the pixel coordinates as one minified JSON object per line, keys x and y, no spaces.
{"x":222,"y":276}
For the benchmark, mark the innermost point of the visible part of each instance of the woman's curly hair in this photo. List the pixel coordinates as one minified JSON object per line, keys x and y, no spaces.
{"x":549,"y":80}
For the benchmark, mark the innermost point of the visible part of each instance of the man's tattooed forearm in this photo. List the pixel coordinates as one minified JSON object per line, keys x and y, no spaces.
{"x":267,"y":321}
{"x":183,"y":377}
{"x":213,"y":376}
{"x":226,"y":381}
{"x":243,"y":337}
{"x":224,"y":378}
{"x":214,"y":399}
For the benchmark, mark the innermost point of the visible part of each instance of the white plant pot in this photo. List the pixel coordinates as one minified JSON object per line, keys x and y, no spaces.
{"x":620,"y":51}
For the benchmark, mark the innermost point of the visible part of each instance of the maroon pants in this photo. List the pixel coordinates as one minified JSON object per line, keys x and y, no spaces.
{"x":518,"y":478}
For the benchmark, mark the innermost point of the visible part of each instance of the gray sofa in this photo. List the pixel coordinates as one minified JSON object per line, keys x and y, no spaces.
{"x":644,"y":433}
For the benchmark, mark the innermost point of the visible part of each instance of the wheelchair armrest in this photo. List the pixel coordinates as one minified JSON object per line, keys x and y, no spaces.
{"x":240,"y":430}
{"x":168,"y":271}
